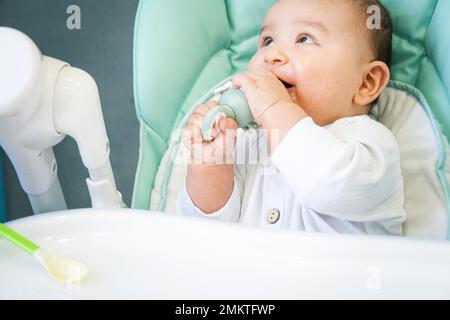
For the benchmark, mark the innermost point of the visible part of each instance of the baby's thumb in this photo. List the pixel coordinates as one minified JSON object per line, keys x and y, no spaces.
{"x":227,"y":123}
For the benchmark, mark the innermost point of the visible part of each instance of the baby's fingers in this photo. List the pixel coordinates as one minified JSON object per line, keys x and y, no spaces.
{"x":194,"y":129}
{"x":227,"y":123}
{"x":211,"y":104}
{"x":191,"y":134}
{"x":196,"y":119}
{"x":244,"y":82}
{"x":203,"y":109}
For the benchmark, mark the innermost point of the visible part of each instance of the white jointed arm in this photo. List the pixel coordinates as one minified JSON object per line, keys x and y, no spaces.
{"x":27,"y":133}
{"x":36,"y":170}
{"x":41,"y":101}
{"x":78,"y":113}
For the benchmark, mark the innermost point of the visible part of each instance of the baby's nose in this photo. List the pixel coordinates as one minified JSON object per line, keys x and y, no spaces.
{"x":276,"y":57}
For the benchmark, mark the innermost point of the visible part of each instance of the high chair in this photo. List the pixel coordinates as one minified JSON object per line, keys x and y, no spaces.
{"x":184,"y":49}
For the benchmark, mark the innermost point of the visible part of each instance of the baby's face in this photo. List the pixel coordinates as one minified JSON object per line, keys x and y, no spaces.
{"x":317,"y":49}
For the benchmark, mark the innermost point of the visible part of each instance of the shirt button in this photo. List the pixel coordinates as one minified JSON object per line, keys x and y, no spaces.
{"x":273,"y":216}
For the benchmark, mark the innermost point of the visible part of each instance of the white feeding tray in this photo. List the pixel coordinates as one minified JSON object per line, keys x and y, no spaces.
{"x":146,"y":255}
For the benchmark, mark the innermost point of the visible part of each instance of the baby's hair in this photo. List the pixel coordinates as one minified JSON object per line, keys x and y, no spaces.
{"x":380,"y":38}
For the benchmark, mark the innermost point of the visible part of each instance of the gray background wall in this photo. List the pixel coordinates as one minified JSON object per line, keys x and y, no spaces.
{"x":103,"y":48}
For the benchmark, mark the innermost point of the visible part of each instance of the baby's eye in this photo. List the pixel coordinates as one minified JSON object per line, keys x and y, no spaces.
{"x":267,"y":41}
{"x":305,"y":39}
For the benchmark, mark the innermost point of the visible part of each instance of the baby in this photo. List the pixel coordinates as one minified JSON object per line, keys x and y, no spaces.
{"x":310,"y":86}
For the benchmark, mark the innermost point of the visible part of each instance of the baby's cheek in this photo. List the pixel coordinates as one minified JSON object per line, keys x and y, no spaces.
{"x":312,"y":84}
{"x":315,"y":97}
{"x":312,"y":94}
{"x":307,"y":76}
{"x":256,"y":63}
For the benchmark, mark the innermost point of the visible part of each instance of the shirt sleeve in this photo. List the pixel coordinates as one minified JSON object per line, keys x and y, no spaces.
{"x":230,"y":211}
{"x":345,"y":170}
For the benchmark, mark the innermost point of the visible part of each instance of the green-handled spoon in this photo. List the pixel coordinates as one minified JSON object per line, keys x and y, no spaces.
{"x":61,"y":269}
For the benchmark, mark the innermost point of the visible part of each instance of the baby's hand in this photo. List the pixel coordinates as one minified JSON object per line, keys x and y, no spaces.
{"x":263,"y":90}
{"x":220,"y":149}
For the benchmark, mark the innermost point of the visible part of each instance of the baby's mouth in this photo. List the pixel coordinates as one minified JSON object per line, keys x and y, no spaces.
{"x":286,"y":84}
{"x":291,"y":89}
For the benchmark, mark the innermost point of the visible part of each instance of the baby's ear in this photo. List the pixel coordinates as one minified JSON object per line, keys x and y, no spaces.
{"x":375,"y":79}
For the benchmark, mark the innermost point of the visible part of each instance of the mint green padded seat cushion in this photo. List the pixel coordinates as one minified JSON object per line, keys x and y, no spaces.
{"x":183,"y":48}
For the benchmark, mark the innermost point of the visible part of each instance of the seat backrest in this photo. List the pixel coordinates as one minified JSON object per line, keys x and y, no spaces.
{"x":183,"y":48}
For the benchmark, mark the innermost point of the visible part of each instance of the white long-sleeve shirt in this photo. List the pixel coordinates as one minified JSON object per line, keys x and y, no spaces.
{"x":344,"y":178}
